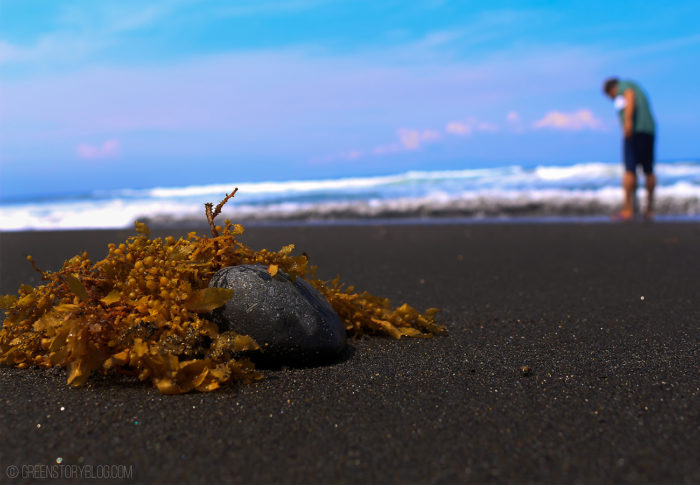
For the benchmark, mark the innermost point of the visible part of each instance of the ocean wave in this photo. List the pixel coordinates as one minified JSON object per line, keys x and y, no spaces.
{"x":593,"y":175}
{"x":505,"y":192}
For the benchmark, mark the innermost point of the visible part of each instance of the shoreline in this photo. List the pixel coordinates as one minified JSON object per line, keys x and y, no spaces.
{"x":201,"y":225}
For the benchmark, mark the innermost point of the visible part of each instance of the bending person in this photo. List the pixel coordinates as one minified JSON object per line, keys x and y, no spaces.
{"x":638,"y":127}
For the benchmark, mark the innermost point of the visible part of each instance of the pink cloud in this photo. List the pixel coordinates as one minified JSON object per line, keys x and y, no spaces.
{"x":514,"y":122}
{"x":583,"y":119}
{"x":409,"y":140}
{"x":469,"y":126}
{"x":513,"y":117}
{"x":108,"y":149}
{"x":459,"y":128}
{"x":412,"y":139}
{"x":351,"y":155}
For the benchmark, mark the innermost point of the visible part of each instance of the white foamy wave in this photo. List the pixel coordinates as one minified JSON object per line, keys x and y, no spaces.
{"x":591,"y":174}
{"x":480,"y":204}
{"x":274,"y":187}
{"x":579,"y":190}
{"x":88,"y":215}
{"x":587,"y":171}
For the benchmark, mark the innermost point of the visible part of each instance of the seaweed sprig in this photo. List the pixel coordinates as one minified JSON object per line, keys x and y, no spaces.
{"x":142,"y":310}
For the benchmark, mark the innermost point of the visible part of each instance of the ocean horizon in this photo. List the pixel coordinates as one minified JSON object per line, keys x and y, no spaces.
{"x":583,"y":191}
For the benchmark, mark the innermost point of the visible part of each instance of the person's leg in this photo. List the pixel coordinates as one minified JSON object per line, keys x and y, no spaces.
{"x":650,"y":184}
{"x":629,"y":179}
{"x":629,"y":184}
{"x":647,"y":157}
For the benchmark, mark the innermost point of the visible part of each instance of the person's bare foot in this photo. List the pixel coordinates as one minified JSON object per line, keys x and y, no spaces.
{"x":622,"y":216}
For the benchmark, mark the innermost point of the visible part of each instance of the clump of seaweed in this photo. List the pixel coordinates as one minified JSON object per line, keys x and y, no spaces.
{"x":142,"y":311}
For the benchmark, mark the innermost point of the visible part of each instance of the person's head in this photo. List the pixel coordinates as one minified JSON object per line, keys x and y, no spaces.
{"x":610,"y":87}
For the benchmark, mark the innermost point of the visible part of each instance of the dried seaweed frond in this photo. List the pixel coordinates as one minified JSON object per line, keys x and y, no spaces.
{"x":142,"y":311}
{"x":365,"y":313}
{"x":211,"y":214}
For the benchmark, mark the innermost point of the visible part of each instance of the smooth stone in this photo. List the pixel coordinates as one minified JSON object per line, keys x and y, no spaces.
{"x":290,"y":320}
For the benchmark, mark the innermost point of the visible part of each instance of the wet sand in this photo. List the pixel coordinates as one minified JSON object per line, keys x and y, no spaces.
{"x":606,"y":317}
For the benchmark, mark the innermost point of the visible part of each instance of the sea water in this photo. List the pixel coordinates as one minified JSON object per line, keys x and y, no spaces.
{"x":508,"y":193}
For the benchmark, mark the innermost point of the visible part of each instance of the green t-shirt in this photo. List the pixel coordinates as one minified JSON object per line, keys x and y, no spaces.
{"x":642,"y":120}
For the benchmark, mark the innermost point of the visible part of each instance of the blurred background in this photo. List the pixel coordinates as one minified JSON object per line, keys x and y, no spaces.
{"x":116,"y":110}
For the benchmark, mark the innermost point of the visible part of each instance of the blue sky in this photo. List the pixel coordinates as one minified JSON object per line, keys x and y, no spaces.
{"x":98,"y":95}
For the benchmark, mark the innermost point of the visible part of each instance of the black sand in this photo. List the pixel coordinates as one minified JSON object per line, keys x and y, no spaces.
{"x":606,"y":316}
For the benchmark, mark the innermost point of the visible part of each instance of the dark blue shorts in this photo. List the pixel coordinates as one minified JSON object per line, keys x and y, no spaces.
{"x":639,"y":150}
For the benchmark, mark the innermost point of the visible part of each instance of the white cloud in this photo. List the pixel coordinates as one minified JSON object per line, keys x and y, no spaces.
{"x":583,"y":119}
{"x":108,"y":149}
{"x":412,"y":139}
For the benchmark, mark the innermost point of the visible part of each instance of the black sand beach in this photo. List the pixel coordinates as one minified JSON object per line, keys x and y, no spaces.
{"x":606,"y":317}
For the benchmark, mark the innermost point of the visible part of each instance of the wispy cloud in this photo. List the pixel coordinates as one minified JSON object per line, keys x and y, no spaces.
{"x":9,"y":52}
{"x":659,"y":46}
{"x":583,"y":119}
{"x":413,"y":139}
{"x":80,"y":32}
{"x":513,"y":117}
{"x":408,"y":140}
{"x":290,"y":94}
{"x":469,"y":126}
{"x":351,"y":155}
{"x":265,"y":7}
{"x":458,"y":128}
{"x":111,"y":17}
{"x":108,"y":149}
{"x":514,"y":122}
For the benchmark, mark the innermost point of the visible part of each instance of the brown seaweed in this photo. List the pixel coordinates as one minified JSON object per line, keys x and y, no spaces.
{"x":142,"y":311}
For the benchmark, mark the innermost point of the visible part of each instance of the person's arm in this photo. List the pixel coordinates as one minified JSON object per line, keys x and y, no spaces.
{"x":629,"y":112}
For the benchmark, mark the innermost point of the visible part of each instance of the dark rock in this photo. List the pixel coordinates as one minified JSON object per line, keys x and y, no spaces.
{"x":291,"y":321}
